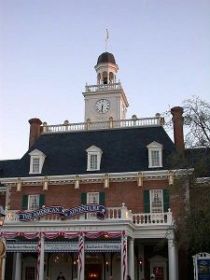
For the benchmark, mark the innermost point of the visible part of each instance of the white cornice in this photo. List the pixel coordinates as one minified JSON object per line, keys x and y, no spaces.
{"x":203,"y":180}
{"x":98,"y":178}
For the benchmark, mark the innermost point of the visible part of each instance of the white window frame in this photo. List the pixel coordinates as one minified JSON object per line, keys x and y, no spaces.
{"x":155,"y":147}
{"x":96,"y":152}
{"x":36,"y":155}
{"x":158,"y":193}
{"x":35,"y":197}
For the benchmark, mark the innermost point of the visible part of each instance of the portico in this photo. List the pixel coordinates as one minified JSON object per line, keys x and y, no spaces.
{"x":115,"y":246}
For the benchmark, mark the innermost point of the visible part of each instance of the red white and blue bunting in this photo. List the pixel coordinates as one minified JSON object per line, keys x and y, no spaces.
{"x":64,"y":234}
{"x":81,"y":257}
{"x":38,"y":257}
{"x":124,"y":261}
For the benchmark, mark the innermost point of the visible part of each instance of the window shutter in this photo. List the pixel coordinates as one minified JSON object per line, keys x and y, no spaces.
{"x":41,"y":200}
{"x":83,"y":198}
{"x":102,"y":198}
{"x":25,"y":202}
{"x":166,"y":200}
{"x":146,"y":202}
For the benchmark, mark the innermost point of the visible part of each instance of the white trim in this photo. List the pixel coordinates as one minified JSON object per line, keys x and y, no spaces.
{"x":92,"y":178}
{"x":203,"y":180}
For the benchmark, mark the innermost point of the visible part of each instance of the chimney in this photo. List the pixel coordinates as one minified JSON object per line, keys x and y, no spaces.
{"x":178,"y":127}
{"x":35,"y":130}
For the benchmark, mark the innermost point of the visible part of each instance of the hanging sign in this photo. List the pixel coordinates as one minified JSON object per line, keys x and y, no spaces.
{"x":100,"y":211}
{"x":201,"y":266}
{"x":62,"y":246}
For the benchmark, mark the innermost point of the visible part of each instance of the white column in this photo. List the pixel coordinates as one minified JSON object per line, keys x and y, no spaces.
{"x":131,"y":259}
{"x":41,"y":262}
{"x":172,"y":260}
{"x":18,"y":266}
{"x":3,"y":267}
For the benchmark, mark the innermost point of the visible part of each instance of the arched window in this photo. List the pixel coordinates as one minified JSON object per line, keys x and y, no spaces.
{"x":111,"y":77}
{"x":99,"y":78}
{"x":105,"y":78}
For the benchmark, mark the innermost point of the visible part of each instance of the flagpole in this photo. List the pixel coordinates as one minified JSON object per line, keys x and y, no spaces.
{"x":106,"y":39}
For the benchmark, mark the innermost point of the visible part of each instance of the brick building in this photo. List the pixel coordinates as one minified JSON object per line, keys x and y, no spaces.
{"x":92,"y":200}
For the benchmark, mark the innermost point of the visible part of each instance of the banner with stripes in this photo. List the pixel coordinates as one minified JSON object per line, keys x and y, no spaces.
{"x":81,"y":257}
{"x":124,"y":258}
{"x":39,"y":245}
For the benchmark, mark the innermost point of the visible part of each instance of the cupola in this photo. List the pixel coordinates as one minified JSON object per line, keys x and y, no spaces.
{"x":106,"y":68}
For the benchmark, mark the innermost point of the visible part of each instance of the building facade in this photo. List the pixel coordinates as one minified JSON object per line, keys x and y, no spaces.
{"x":92,"y":200}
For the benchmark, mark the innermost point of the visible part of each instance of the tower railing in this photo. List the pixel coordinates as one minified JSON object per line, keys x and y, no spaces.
{"x":111,"y":124}
{"x":110,"y":86}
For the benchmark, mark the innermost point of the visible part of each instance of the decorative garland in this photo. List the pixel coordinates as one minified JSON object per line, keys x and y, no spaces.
{"x":56,"y":234}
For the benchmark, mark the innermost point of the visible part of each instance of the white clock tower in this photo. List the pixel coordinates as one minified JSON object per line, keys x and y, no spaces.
{"x":106,"y":99}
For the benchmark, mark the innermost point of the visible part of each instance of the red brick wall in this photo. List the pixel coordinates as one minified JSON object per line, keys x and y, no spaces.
{"x":115,"y":195}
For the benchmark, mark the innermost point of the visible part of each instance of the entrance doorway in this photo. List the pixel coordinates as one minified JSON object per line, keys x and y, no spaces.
{"x":93,"y":271}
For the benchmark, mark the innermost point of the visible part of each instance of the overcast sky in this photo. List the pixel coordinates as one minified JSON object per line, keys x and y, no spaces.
{"x":48,"y":50}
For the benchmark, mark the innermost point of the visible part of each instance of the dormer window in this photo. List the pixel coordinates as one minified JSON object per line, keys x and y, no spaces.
{"x":155,"y":155}
{"x":36,"y":161}
{"x":35,"y":164}
{"x":93,"y":158}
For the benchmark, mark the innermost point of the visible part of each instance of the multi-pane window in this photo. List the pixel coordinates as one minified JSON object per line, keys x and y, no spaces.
{"x":93,"y":197}
{"x":155,"y":157}
{"x":155,"y":151}
{"x":93,"y":158}
{"x":156,"y":201}
{"x":93,"y":162}
{"x":37,"y":159}
{"x":33,"y":202}
{"x":35,"y":165}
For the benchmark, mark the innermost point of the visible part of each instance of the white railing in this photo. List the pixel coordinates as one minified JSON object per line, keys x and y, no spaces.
{"x":113,"y":214}
{"x":101,"y":87}
{"x":153,"y":218}
{"x":134,"y":122}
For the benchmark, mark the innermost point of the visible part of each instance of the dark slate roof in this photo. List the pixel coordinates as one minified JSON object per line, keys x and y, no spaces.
{"x":106,"y":57}
{"x":124,"y":150}
{"x":199,"y":159}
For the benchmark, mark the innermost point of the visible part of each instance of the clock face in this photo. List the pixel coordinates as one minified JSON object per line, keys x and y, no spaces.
{"x":102,"y":106}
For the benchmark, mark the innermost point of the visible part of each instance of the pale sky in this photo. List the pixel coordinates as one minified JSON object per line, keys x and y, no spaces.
{"x":48,"y":50}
